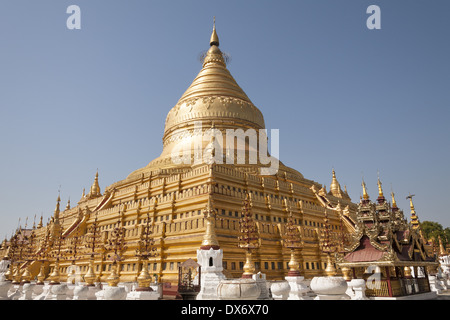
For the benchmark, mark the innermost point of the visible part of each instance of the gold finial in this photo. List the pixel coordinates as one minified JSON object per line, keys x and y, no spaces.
{"x":95,"y":188}
{"x":214,"y":41}
{"x":40,"y":224}
{"x":380,"y":189}
{"x":414,"y":218}
{"x":334,"y":180}
{"x":365,"y":195}
{"x":394,"y":203}
{"x":411,"y":205}
{"x":56,"y":215}
{"x":335,"y":188}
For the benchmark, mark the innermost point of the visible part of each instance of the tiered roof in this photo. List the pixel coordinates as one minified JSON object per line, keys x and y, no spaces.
{"x":382,"y":235}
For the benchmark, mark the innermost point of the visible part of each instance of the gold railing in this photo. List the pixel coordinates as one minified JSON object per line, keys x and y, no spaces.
{"x":378,"y":289}
{"x":399,"y":287}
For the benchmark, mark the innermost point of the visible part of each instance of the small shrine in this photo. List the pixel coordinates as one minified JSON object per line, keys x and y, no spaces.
{"x":189,"y":279}
{"x":386,"y":251}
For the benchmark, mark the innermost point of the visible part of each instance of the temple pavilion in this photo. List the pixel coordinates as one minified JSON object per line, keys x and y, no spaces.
{"x":386,"y":250}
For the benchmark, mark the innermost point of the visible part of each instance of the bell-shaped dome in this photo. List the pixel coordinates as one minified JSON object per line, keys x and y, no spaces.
{"x":214,"y":99}
{"x":214,"y":95}
{"x":213,"y":104}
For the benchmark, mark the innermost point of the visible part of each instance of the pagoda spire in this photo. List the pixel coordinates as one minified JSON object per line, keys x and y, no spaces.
{"x":381,"y":197}
{"x":365,"y":194}
{"x":414,"y":218}
{"x":335,"y":188}
{"x":394,"y":203}
{"x":68,"y":205}
{"x":57,"y":210}
{"x":19,"y":226}
{"x":213,"y":55}
{"x":214,"y":41}
{"x":95,"y":188}
{"x":380,"y":189}
{"x":40,"y":224}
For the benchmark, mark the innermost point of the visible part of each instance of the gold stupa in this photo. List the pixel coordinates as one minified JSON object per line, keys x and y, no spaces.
{"x":174,"y":197}
{"x":214,"y":99}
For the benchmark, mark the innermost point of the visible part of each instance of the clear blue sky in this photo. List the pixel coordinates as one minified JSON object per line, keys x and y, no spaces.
{"x":343,"y":96}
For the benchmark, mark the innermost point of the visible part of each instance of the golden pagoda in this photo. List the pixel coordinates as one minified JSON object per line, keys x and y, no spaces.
{"x":169,"y":196}
{"x":335,"y":188}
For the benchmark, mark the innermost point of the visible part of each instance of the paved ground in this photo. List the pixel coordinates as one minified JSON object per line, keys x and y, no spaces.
{"x":444,"y":295}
